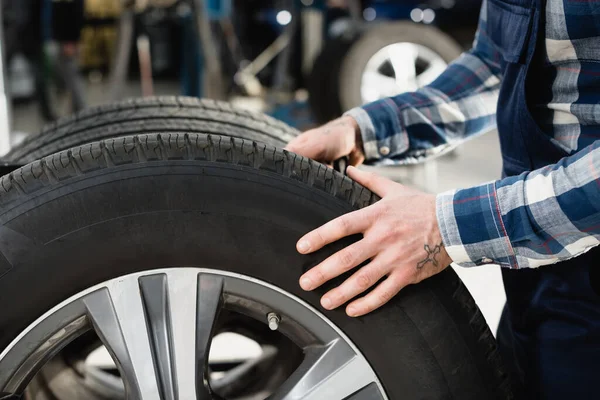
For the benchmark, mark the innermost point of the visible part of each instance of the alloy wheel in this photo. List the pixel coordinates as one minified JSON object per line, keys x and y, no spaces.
{"x":399,"y":68}
{"x":158,"y":327}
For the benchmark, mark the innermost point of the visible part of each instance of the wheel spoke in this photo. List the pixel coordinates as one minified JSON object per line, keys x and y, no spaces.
{"x":118,"y":319}
{"x":403,"y":57}
{"x":210,"y":290}
{"x":375,"y":86}
{"x":370,"y":392}
{"x":379,"y":81}
{"x":182,"y":293}
{"x":155,"y":298}
{"x":159,"y":331}
{"x":327,"y":372}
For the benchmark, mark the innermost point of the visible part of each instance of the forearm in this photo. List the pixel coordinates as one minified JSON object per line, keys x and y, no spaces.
{"x":538,"y":218}
{"x":412,"y":126}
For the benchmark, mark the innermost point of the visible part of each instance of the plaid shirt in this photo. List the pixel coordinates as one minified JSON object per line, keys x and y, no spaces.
{"x":539,"y":217}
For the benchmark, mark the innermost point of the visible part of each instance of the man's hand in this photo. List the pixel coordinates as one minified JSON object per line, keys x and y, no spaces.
{"x":400,"y":237}
{"x":339,"y":138}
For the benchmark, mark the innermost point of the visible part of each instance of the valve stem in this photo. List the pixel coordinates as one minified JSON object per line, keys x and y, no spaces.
{"x":273,"y":320}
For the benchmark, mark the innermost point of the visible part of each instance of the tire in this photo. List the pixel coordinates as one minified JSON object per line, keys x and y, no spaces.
{"x":102,"y":210}
{"x":378,"y":37}
{"x":151,"y":115}
{"x":323,"y":81}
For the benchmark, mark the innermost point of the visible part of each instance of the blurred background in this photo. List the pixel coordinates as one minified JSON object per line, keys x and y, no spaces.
{"x":300,"y":61}
{"x":293,"y":59}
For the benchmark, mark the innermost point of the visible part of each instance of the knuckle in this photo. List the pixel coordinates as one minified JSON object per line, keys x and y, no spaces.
{"x":347,"y":258}
{"x":336,"y":297}
{"x":394,"y":232}
{"x":319,"y":236}
{"x":381,"y":209}
{"x":384,"y":296}
{"x":344,"y":223}
{"x":388,"y":232}
{"x":318,"y":276}
{"x":384,"y":237}
{"x":403,"y":280}
{"x":405,"y":277}
{"x":415,"y":278}
{"x":365,"y":308}
{"x":363,"y":280}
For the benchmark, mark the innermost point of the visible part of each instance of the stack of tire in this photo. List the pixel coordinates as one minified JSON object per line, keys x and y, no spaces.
{"x":172,"y":182}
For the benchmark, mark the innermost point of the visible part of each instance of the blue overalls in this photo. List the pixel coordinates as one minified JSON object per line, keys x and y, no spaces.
{"x":550,"y":329}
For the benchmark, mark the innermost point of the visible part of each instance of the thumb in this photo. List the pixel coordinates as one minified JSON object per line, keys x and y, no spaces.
{"x":375,"y":183}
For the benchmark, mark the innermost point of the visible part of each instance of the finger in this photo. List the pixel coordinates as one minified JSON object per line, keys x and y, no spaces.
{"x":295,"y":142}
{"x":356,"y":158}
{"x":338,"y":263}
{"x":360,"y":281}
{"x":305,"y":146}
{"x":379,"y":296}
{"x":347,"y":224}
{"x":375,"y":183}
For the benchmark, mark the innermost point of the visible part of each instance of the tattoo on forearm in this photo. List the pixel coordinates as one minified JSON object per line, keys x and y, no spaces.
{"x":431,"y":256}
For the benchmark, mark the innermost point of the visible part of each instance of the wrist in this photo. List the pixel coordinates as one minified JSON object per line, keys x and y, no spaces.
{"x":365,"y":132}
{"x":444,"y":257}
{"x":358,"y":141}
{"x":356,"y":134}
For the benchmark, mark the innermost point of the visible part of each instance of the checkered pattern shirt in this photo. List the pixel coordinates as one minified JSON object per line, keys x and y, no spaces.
{"x":539,"y":217}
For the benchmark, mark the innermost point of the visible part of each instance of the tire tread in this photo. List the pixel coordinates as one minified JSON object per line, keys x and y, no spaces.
{"x":151,"y":114}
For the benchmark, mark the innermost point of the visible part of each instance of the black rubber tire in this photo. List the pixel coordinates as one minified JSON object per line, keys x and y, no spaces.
{"x":376,"y":38}
{"x":323,"y":81}
{"x":151,"y":115}
{"x":102,"y":210}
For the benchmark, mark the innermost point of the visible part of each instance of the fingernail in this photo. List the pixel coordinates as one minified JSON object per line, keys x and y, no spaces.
{"x":305,"y":283}
{"x":326,"y":303}
{"x":352,"y":311}
{"x":303,"y":246}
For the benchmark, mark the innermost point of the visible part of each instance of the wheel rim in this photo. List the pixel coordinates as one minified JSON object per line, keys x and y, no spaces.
{"x":246,"y":360}
{"x":399,"y":68}
{"x":148,"y":321}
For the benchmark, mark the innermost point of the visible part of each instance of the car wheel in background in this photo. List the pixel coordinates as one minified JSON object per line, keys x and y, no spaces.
{"x":392,"y":58}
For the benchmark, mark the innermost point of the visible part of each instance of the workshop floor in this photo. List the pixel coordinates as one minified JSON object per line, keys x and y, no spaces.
{"x":475,"y":162}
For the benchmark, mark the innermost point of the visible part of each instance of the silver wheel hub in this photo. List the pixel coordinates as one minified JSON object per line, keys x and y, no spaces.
{"x":399,"y":68}
{"x":158,"y":327}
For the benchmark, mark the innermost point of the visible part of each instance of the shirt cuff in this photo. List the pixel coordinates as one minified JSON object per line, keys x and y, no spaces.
{"x":367,"y":132}
{"x":381,"y":130}
{"x":472,"y":228}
